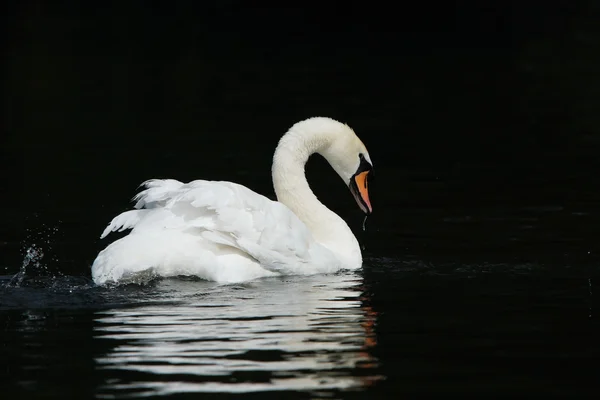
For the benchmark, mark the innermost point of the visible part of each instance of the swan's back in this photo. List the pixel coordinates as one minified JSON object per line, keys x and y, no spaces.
{"x":218,"y":231}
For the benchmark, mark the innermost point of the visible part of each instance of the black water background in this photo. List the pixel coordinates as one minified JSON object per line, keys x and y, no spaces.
{"x":480,"y":119}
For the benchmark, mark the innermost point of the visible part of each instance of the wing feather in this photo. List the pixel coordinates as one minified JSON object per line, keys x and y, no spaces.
{"x":228,"y":214}
{"x":126,"y":220}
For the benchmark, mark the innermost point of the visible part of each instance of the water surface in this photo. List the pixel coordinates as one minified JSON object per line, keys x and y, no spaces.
{"x":402,"y":326}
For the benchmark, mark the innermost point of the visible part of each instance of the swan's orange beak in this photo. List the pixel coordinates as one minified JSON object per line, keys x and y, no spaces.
{"x":360,"y":190}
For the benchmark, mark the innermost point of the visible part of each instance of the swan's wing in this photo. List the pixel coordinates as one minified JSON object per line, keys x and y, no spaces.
{"x":126,"y":220}
{"x":158,"y":192}
{"x":232,"y":215}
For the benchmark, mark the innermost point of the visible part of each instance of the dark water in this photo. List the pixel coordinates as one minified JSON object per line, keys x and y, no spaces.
{"x":482,"y":260}
{"x":464,"y":304}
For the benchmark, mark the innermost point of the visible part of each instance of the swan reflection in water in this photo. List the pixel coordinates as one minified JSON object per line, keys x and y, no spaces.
{"x":293,"y":333}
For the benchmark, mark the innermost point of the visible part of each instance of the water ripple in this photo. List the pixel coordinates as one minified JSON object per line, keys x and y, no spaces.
{"x":309,"y":333}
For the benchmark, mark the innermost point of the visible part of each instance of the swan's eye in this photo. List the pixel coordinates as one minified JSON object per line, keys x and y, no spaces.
{"x":364,"y":164}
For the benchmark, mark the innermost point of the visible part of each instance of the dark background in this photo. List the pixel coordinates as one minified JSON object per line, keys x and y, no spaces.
{"x":462,"y":104}
{"x":481,"y":119}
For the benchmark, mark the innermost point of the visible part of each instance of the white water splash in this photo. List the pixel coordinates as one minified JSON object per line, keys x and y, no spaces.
{"x":33,"y":263}
{"x":33,"y":257}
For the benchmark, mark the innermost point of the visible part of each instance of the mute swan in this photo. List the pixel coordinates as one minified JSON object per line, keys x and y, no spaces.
{"x":225,"y":232}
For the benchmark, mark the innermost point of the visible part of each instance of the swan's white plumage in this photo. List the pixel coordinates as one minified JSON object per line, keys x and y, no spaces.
{"x":225,"y":232}
{"x":219,"y":231}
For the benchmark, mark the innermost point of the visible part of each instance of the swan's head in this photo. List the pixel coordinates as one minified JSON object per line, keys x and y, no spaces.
{"x":335,"y":141}
{"x":349,"y":157}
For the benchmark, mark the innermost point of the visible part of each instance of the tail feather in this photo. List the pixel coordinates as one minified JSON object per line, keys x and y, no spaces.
{"x":157,"y":192}
{"x":126,"y":220}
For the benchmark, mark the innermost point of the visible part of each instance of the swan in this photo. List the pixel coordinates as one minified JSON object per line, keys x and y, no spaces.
{"x":224,"y":232}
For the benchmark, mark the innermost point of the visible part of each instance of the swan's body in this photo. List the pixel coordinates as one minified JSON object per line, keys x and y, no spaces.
{"x":225,"y":232}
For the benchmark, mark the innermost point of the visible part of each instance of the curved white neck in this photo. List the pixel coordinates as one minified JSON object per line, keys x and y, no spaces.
{"x":292,"y":189}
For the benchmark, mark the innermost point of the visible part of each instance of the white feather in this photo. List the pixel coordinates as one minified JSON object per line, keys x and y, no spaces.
{"x":126,"y":220}
{"x":218,"y":231}
{"x":225,"y":232}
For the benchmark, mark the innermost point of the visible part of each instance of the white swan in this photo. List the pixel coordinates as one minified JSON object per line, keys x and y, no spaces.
{"x":224,"y":232}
